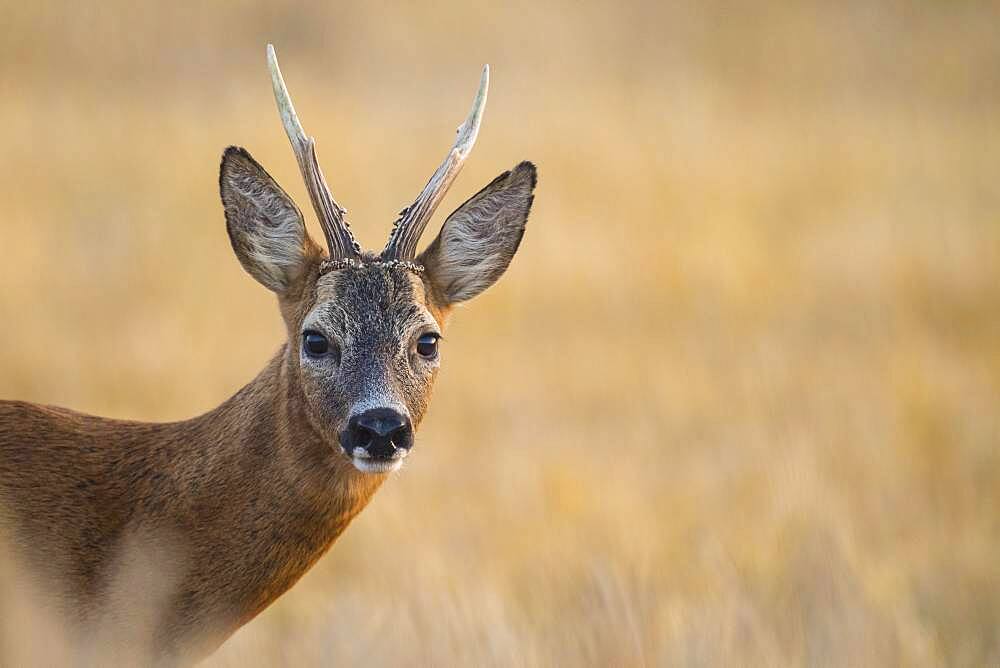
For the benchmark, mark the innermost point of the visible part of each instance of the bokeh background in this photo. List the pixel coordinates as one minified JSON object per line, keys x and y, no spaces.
{"x":736,"y":400}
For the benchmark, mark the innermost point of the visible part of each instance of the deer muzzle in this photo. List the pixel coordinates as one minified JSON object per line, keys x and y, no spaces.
{"x":378,"y":439}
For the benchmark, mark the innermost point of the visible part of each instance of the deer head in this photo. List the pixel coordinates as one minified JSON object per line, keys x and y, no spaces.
{"x":364,"y":327}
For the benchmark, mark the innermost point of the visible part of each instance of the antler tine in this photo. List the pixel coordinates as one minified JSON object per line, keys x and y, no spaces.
{"x":406,"y":233}
{"x":339,"y":239}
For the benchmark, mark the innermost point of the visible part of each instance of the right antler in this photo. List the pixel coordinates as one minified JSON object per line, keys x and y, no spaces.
{"x":339,"y":239}
{"x":413,"y":219}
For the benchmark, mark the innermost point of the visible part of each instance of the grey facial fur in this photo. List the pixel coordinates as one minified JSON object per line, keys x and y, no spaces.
{"x":374,"y":314}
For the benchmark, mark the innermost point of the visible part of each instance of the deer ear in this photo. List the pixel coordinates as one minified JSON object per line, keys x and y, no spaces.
{"x":265,"y":227}
{"x":478,"y":240}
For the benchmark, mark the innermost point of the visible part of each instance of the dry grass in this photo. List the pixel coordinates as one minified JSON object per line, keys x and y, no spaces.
{"x":736,"y":400}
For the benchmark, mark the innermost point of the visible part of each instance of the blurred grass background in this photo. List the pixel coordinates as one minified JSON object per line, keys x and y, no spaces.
{"x":734,"y":403}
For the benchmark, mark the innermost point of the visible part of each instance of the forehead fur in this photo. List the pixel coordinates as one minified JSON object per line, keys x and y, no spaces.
{"x":374,"y":296}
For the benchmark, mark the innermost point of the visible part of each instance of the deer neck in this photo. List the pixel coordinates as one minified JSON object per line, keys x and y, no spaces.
{"x":294,"y":491}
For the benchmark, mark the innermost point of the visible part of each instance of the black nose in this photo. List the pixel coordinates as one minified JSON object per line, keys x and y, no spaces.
{"x":380,"y":431}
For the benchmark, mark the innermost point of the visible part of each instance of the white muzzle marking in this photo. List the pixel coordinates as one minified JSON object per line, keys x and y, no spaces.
{"x":377,"y":466}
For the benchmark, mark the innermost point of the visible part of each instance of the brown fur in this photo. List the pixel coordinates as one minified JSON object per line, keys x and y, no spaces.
{"x":226,"y":511}
{"x":248,"y":495}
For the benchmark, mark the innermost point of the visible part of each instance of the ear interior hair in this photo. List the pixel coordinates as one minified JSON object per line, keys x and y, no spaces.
{"x":479,"y":239}
{"x":265,"y":227}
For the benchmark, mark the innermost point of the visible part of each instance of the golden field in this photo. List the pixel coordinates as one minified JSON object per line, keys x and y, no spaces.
{"x":735,"y":402}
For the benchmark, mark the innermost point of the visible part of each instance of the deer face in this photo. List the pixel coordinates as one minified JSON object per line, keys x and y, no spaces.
{"x":368,"y":358}
{"x":363,"y":331}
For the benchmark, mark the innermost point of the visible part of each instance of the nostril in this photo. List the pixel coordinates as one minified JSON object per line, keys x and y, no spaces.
{"x":398,"y":435}
{"x":364,"y":436}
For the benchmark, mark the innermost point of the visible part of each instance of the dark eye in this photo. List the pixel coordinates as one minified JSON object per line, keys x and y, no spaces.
{"x":427,"y":345}
{"x":315,"y":344}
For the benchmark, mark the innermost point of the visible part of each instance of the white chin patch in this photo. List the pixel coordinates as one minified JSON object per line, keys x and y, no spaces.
{"x":367,"y":465}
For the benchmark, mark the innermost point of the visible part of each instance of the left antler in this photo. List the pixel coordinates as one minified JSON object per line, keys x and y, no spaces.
{"x":339,"y":239}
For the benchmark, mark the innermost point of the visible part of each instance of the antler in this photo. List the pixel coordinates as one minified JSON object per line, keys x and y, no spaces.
{"x":339,"y":239}
{"x":413,"y":219}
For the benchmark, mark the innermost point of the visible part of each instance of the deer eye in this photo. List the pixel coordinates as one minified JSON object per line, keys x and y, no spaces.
{"x":427,"y":345}
{"x":315,"y":344}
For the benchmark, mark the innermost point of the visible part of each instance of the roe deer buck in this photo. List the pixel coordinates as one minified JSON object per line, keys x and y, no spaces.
{"x":243,"y":500}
